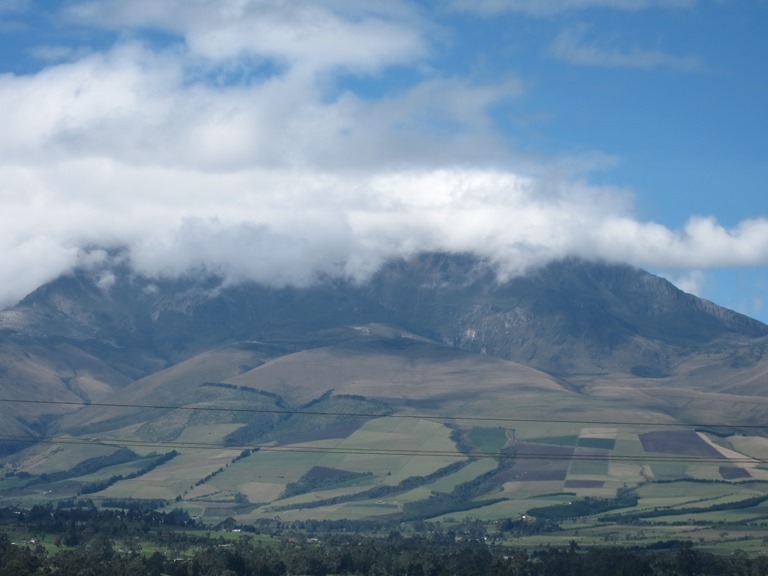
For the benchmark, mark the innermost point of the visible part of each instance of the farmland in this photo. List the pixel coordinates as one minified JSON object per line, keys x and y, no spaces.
{"x":401,"y":430}
{"x":680,"y":481}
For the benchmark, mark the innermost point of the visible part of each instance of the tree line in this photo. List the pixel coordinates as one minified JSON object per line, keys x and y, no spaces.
{"x":90,"y":541}
{"x":390,"y":556}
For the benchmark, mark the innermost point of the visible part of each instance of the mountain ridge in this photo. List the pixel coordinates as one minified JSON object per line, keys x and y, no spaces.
{"x":457,"y":300}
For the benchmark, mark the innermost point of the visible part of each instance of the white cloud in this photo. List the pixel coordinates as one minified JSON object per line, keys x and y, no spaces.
{"x":571,"y":46}
{"x":289,"y":226}
{"x":139,"y":106}
{"x":280,"y":178}
{"x":309,"y":36}
{"x":549,"y":7}
{"x":702,"y":243}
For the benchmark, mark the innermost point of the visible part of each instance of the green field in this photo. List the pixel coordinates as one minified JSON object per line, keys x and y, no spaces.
{"x":488,"y":440}
{"x":472,"y":470}
{"x":692,"y":482}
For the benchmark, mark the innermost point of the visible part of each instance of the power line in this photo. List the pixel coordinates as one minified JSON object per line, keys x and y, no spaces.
{"x":378,"y":415}
{"x":607,"y":456}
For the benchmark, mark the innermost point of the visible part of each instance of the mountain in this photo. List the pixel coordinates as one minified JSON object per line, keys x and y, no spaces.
{"x":198,"y":364}
{"x":568,"y":318}
{"x":79,"y":338}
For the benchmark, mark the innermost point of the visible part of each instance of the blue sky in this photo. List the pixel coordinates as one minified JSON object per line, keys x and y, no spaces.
{"x":278,"y":141}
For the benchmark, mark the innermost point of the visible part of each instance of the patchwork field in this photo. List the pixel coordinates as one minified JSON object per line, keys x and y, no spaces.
{"x":386,"y":465}
{"x":419,"y":432}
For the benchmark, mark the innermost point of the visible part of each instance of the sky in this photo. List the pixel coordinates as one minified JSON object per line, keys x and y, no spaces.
{"x":282,"y":141}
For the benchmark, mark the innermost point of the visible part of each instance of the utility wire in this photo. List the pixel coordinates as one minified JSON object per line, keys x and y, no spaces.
{"x":606,"y":456}
{"x":376,"y":415}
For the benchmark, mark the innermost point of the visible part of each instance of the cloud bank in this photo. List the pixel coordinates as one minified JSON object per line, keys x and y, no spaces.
{"x":239,"y":147}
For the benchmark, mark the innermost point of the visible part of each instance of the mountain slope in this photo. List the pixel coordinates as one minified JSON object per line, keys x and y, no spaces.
{"x":567,"y":318}
{"x":324,"y":401}
{"x":81,"y":338}
{"x":571,"y":307}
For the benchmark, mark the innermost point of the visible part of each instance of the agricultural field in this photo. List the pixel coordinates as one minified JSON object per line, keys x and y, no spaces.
{"x":329,"y":464}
